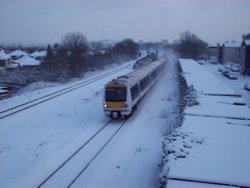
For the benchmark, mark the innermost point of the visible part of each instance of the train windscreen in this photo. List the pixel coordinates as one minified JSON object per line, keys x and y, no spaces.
{"x":114,"y":94}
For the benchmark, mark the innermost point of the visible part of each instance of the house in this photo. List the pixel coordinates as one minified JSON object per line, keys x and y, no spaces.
{"x":232,"y":53}
{"x":17,"y":54}
{"x":5,"y":60}
{"x":26,"y":61}
{"x":38,"y":55}
{"x":215,"y":51}
{"x":246,"y":61}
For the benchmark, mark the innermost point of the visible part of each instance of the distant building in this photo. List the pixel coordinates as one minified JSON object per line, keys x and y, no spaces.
{"x":5,"y":60}
{"x":232,"y":53}
{"x":246,"y":54}
{"x":213,"y":50}
{"x":38,"y":55}
{"x":26,"y":61}
{"x":17,"y":54}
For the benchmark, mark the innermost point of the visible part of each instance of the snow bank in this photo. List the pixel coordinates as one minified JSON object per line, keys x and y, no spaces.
{"x":223,"y":157}
{"x":204,"y":82}
{"x":184,"y":184}
{"x":221,"y":125}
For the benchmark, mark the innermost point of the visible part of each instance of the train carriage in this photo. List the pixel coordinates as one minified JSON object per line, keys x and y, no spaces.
{"x":123,"y":94}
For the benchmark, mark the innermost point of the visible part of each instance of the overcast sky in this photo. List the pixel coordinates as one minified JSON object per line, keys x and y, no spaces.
{"x":46,"y":21}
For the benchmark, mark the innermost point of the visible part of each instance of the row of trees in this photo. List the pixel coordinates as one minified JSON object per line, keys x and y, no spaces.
{"x":70,"y":58}
{"x":190,"y":45}
{"x":246,"y":36}
{"x":74,"y":55}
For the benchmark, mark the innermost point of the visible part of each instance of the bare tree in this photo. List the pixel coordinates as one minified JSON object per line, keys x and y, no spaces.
{"x":190,"y":45}
{"x":246,"y":36}
{"x":127,"y":47}
{"x":49,"y":55}
{"x":76,"y":46}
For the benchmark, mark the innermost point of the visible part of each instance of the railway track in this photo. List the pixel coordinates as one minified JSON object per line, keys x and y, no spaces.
{"x":16,"y":109}
{"x":75,"y":165}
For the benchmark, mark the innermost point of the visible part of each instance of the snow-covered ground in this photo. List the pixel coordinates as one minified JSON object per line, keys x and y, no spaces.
{"x":211,"y":146}
{"x":237,"y":85}
{"x":39,"y":89}
{"x":36,"y":141}
{"x":211,"y":149}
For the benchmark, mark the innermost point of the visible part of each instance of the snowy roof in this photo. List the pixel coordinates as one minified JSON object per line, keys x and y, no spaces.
{"x":219,"y":122}
{"x":3,"y":55}
{"x":18,"y":53}
{"x":214,"y":45}
{"x":38,"y":54}
{"x":27,"y":61}
{"x":200,"y":76}
{"x":247,"y":42}
{"x":232,"y":44}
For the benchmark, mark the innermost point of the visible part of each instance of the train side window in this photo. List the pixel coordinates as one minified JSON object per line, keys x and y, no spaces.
{"x":153,"y":75}
{"x":147,"y":80}
{"x":144,"y":83}
{"x":134,"y":92}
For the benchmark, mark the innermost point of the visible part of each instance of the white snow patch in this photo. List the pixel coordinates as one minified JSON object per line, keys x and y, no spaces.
{"x":223,"y":158}
{"x":35,"y":142}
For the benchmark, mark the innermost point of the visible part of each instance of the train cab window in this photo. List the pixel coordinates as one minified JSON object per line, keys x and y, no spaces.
{"x":114,"y":94}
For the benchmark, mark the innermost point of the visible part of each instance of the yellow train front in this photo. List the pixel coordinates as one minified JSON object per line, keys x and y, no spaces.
{"x":117,"y":99}
{"x":124,"y":93}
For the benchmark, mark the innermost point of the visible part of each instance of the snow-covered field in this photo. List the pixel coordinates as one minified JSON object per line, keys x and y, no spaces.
{"x":36,"y":141}
{"x":212,"y":146}
{"x":211,"y":149}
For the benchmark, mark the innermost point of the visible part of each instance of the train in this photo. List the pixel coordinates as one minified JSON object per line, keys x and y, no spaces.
{"x":122,"y":95}
{"x":144,"y":61}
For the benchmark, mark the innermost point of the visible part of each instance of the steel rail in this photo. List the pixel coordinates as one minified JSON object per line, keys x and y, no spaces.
{"x":85,"y":144}
{"x":97,"y":153}
{"x":71,"y":156}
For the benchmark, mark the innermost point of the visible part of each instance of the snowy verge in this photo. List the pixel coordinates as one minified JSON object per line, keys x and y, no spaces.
{"x":177,"y":146}
{"x":223,"y":157}
{"x":220,"y":158}
{"x":40,"y":89}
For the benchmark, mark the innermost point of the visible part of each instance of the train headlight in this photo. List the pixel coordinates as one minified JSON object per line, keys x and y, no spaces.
{"x":105,"y":106}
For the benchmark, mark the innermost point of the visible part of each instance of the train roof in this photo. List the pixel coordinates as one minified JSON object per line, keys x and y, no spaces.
{"x":137,"y":75}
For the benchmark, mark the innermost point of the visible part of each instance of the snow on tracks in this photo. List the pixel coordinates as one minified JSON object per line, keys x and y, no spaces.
{"x":77,"y":163}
